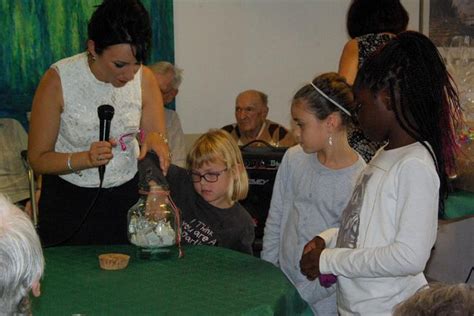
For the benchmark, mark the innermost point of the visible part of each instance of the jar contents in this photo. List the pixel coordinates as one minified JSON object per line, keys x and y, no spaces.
{"x":151,"y":221}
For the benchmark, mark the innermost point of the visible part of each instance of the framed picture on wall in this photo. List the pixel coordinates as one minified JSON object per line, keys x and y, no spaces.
{"x":443,"y":20}
{"x":450,"y":25}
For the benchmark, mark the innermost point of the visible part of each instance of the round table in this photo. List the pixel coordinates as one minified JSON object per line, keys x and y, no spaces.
{"x":207,"y":281}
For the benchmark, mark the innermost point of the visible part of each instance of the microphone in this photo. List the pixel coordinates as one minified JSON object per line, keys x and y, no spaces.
{"x":106,"y":113}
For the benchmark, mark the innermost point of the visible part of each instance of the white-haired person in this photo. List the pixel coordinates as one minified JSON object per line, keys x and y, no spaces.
{"x":21,"y":260}
{"x":251,"y":111}
{"x":439,"y":299}
{"x":169,"y":79}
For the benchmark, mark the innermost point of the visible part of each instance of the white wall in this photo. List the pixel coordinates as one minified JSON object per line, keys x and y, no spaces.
{"x":227,"y":46}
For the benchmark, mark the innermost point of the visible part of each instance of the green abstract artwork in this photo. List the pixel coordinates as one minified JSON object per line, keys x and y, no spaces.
{"x":36,"y":33}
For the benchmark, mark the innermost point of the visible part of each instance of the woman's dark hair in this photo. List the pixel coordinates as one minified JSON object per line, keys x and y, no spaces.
{"x":376,"y":16}
{"x":335,"y":87}
{"x":423,"y":96}
{"x":121,"y":22}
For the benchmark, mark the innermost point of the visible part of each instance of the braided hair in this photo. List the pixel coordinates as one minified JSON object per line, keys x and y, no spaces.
{"x":423,"y":95}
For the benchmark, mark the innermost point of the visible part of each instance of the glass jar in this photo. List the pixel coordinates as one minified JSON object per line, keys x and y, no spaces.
{"x":153,"y":225}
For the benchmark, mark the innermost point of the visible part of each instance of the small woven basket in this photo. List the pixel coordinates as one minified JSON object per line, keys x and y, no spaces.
{"x":113,"y":261}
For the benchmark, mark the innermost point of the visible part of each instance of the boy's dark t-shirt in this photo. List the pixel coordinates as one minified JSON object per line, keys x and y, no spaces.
{"x":204,"y":224}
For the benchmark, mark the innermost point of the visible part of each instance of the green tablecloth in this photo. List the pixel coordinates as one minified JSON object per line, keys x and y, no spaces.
{"x":459,"y":204}
{"x":207,"y":281}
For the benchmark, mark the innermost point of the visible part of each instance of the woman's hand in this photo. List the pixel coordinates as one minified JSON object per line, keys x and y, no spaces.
{"x":153,"y":120}
{"x":100,"y":153}
{"x":159,"y":144}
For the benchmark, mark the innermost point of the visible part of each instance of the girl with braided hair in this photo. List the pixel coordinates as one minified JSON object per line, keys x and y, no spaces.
{"x":406,"y":98}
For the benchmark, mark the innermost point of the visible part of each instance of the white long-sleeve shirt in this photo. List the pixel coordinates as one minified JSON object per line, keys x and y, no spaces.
{"x":386,"y":234}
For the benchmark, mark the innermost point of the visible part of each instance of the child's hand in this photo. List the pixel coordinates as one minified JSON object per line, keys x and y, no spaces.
{"x":315,"y":243}
{"x":154,"y":211}
{"x":309,"y":264}
{"x":149,"y":170}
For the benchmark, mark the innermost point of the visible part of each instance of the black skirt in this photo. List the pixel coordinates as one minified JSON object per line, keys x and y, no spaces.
{"x":68,"y":216}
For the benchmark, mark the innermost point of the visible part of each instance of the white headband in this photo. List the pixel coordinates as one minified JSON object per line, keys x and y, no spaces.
{"x":343,"y":109}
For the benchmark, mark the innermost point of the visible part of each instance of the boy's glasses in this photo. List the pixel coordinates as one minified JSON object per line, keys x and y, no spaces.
{"x":209,"y":177}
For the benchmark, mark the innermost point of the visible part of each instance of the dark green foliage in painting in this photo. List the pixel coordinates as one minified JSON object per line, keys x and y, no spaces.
{"x":161,"y":14}
{"x":36,"y":33}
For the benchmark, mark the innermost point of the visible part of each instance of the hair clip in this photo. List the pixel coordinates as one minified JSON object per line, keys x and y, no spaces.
{"x":330,"y":100}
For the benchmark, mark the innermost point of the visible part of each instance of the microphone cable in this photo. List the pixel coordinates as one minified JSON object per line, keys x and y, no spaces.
{"x":105,"y":113}
{"x":83,"y":220}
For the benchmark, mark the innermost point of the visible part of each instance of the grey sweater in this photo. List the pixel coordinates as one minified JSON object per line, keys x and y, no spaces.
{"x":307,"y":199}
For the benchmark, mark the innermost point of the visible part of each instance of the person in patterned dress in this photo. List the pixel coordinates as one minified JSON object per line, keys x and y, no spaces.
{"x":370,"y":24}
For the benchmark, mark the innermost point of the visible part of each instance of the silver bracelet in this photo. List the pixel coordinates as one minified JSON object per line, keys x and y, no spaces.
{"x":79,"y":173}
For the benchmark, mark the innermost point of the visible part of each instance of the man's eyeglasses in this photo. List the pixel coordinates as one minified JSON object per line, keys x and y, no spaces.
{"x":209,"y":177}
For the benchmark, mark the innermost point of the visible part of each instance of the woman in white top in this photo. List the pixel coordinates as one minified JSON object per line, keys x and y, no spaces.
{"x":63,"y":139}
